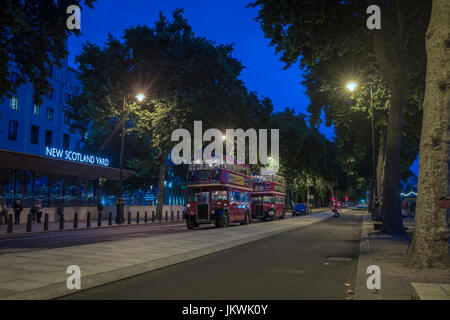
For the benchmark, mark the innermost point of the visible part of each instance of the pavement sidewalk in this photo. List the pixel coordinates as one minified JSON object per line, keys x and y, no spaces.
{"x":20,"y":229}
{"x":41,"y":274}
{"x":398,"y":282}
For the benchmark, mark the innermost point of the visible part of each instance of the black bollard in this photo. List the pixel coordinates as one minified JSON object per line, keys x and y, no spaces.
{"x":61,"y":222}
{"x":46,"y":222}
{"x":88,"y":221}
{"x":153,"y":216}
{"x":137,"y":217}
{"x":99,"y":219}
{"x":178,"y":215}
{"x":10,"y":224}
{"x":110,"y":218}
{"x":75,"y":220}
{"x":145,"y":217}
{"x":29,"y":222}
{"x":167,"y":219}
{"x":171,"y":215}
{"x":129,"y":217}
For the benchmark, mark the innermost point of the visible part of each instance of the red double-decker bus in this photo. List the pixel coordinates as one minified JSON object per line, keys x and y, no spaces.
{"x":268,"y":197}
{"x":218,"y":194}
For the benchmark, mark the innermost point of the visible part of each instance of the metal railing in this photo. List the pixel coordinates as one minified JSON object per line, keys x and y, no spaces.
{"x":60,"y":224}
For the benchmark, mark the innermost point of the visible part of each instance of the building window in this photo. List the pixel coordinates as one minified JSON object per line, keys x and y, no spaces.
{"x":66,"y":118}
{"x":50,"y":114}
{"x":48,"y":138}
{"x":12,"y":133}
{"x":36,"y":110}
{"x":14,"y":103}
{"x":49,"y":94}
{"x":34,"y":135}
{"x":68,"y":98}
{"x":50,"y":70}
{"x":66,"y":141}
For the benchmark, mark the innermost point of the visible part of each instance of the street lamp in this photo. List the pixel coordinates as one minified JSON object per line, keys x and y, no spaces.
{"x":140,"y":97}
{"x":120,"y":201}
{"x":351,"y":86}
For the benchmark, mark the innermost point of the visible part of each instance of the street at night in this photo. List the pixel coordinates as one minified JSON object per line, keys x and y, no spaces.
{"x":314,"y":262}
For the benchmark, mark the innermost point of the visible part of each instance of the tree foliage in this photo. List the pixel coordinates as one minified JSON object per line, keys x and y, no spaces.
{"x":33,"y":35}
{"x":319,"y":34}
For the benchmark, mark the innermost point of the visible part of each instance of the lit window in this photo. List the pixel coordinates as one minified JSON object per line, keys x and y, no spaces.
{"x":14,"y":103}
{"x":50,"y":114}
{"x":36,"y":110}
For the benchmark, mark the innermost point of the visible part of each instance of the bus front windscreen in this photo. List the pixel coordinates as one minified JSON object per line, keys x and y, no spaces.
{"x":268,"y":199}
{"x":256,"y":200}
{"x":219,"y":195}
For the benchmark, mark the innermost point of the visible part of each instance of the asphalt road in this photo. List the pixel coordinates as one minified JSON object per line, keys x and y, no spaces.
{"x":313,"y":262}
{"x":68,"y":238}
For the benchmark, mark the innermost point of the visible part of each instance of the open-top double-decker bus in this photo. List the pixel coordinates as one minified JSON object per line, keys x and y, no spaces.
{"x":268,"y":197}
{"x":218,"y":194}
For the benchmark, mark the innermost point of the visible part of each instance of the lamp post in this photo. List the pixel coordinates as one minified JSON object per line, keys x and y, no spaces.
{"x":351,"y":86}
{"x":120,"y":205}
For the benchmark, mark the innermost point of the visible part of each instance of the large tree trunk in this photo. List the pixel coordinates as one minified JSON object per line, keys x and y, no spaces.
{"x":429,"y":246}
{"x":395,"y":74}
{"x":392,"y":218}
{"x":380,"y":169}
{"x":161,"y":188}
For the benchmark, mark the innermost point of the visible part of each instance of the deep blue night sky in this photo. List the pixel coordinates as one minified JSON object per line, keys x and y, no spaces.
{"x":222,"y":21}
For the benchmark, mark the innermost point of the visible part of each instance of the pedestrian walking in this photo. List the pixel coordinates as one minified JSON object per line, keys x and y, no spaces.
{"x":18,"y":207}
{"x":39,"y":211}
{"x":61,"y":213}
{"x":100,"y":207}
{"x":33,"y":211}
{"x":4,"y":212}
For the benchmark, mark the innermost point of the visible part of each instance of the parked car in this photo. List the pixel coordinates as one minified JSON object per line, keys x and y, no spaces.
{"x":299,"y":209}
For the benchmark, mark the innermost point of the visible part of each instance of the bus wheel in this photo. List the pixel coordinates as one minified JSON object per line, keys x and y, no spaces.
{"x":191,"y":225}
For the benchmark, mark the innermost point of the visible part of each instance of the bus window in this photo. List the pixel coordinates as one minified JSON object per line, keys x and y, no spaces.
{"x":268,"y":199}
{"x":231,"y":195}
{"x":194,"y":195}
{"x":218,"y":195}
{"x":237,"y":196}
{"x":246,"y":197}
{"x":242,"y":196}
{"x":256,"y":200}
{"x":205,"y":196}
